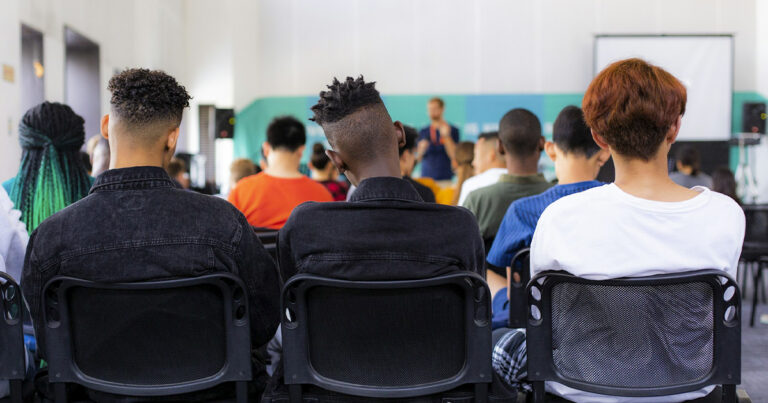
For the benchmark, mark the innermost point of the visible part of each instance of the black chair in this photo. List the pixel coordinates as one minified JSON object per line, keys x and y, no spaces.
{"x":156,"y":338}
{"x":755,"y":249}
{"x":268,"y":238}
{"x":645,"y":336}
{"x":12,"y":360}
{"x":387,"y":339}
{"x":518,"y":298}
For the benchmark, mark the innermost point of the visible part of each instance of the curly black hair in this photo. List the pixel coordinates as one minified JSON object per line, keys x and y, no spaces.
{"x":343,"y":98}
{"x":141,"y":97}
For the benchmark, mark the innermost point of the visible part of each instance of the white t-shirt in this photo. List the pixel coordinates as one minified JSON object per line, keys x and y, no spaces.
{"x":487,"y":178}
{"x":605,"y":233}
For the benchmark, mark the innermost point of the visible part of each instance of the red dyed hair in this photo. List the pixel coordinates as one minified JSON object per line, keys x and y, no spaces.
{"x":632,"y":104}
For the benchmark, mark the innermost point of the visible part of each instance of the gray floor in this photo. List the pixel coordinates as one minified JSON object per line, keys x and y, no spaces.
{"x":754,"y":354}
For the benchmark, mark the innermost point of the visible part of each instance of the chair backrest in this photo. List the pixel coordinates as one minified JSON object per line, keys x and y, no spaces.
{"x":387,"y":338}
{"x":645,"y":336}
{"x":148,"y":338}
{"x":756,"y":231}
{"x":12,"y":363}
{"x":518,"y":301}
{"x":268,"y":238}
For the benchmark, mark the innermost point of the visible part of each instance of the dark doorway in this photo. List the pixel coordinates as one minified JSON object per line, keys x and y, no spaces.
{"x":82,"y":80}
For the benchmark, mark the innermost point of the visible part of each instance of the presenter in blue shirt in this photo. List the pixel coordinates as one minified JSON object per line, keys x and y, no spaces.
{"x":437,"y":143}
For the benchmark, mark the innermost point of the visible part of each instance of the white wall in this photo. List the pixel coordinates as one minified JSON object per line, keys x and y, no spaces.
{"x":82,"y":87}
{"x":460,"y":46}
{"x":144,"y":33}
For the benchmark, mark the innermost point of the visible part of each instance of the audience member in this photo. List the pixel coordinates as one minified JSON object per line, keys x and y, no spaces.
{"x":137,"y":226}
{"x":688,"y":172}
{"x":577,"y":160}
{"x":177,"y":170}
{"x":268,"y":198}
{"x":100,"y":157}
{"x":239,"y":169}
{"x":51,"y":175}
{"x":437,"y":143}
{"x":385,"y":213}
{"x":489,"y":165}
{"x":408,"y":162}
{"x":724,"y":182}
{"x":643,"y":224}
{"x":325,"y":173}
{"x":520,"y":142}
{"x":462,"y":166}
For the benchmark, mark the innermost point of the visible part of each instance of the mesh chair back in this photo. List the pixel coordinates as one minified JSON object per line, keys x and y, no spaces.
{"x":12,"y":365}
{"x":148,"y":339}
{"x":649,"y":336}
{"x":518,"y":298}
{"x":387,"y":339}
{"x":268,"y":238}
{"x":756,"y":231}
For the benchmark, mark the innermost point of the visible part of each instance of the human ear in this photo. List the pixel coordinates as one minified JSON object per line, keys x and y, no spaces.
{"x":599,"y":140}
{"x":105,"y":126}
{"x":336,"y":161}
{"x":549,"y":148}
{"x":400,"y":133}
{"x":500,"y":147}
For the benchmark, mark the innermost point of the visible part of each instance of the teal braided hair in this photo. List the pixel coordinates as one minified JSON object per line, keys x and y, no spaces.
{"x":51,"y":175}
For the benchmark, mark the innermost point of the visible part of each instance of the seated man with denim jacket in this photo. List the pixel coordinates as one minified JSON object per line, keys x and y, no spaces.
{"x":136,"y":225}
{"x":385,"y":231}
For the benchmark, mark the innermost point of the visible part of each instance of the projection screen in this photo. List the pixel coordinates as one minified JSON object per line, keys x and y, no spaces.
{"x":703,"y":63}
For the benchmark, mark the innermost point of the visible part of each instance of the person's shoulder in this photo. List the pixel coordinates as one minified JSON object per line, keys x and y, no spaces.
{"x":579,"y":201}
{"x":724,"y":204}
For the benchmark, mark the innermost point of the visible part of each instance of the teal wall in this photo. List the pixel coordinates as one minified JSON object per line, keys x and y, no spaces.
{"x":472,"y":114}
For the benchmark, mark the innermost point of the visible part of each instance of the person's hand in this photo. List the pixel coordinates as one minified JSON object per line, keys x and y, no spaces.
{"x":445,"y":129}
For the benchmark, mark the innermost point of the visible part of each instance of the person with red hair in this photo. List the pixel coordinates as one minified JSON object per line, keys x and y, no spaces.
{"x":643,"y":224}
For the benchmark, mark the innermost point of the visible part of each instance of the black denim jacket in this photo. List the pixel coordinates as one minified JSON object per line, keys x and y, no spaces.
{"x":385,"y":232}
{"x":135,"y":225}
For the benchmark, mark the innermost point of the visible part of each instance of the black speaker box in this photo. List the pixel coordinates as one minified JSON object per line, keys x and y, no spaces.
{"x":225,"y":123}
{"x":753,"y":117}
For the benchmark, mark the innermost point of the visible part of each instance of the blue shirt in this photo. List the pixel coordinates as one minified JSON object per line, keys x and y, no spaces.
{"x":519,"y":223}
{"x":436,"y":164}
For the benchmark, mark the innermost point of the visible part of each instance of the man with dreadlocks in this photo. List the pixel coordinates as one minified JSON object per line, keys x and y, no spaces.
{"x":136,"y":226}
{"x":385,"y":231}
{"x":52,"y":175}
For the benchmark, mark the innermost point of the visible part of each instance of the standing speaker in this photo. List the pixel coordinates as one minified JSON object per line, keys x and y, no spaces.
{"x":225,"y":123}
{"x":753,"y":117}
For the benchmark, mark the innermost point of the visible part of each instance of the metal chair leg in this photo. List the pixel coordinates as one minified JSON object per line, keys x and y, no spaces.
{"x":241,"y":392}
{"x":16,"y":391}
{"x":294,"y":393}
{"x":481,"y":392}
{"x":539,"y":393}
{"x":60,"y":390}
{"x":758,"y":277}
{"x":729,"y":394}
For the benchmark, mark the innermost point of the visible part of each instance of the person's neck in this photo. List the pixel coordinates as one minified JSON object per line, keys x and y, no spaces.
{"x":378,"y":169}
{"x":686,"y":170}
{"x":522,"y":166}
{"x":128,"y":158}
{"x":321,"y":176}
{"x":283,"y":165}
{"x":649,"y":179}
{"x":436,"y":122}
{"x":496,"y":165}
{"x":575,"y":171}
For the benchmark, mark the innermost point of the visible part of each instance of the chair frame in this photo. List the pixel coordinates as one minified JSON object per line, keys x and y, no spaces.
{"x":477,"y":366}
{"x":518,"y":297}
{"x":60,"y":355}
{"x":754,"y":252}
{"x":726,"y":369}
{"x":13,"y":366}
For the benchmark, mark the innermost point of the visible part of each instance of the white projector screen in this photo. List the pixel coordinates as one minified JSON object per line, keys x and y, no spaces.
{"x":704,"y":64}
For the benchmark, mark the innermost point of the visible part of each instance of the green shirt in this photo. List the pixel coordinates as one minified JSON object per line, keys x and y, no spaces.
{"x":489,"y":204}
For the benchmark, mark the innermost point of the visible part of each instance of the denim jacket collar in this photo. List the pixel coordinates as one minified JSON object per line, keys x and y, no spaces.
{"x":145,"y":177}
{"x":385,"y":188}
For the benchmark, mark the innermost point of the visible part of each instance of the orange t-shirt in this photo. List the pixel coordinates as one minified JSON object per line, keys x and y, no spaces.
{"x":267,"y":201}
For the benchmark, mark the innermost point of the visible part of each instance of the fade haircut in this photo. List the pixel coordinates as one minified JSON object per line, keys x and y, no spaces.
{"x":143,"y":98}
{"x":286,"y":133}
{"x":520,"y":133}
{"x":571,"y":133}
{"x":360,"y":136}
{"x":410,"y":139}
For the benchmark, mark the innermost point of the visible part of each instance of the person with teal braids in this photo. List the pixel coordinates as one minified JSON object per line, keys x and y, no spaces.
{"x":51,"y":175}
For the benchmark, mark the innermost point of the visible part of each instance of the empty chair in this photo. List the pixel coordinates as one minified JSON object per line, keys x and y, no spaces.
{"x":395,"y":339}
{"x":12,"y":365}
{"x":644,"y":336}
{"x":755,"y":247}
{"x":155,"y":338}
{"x":518,"y":301}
